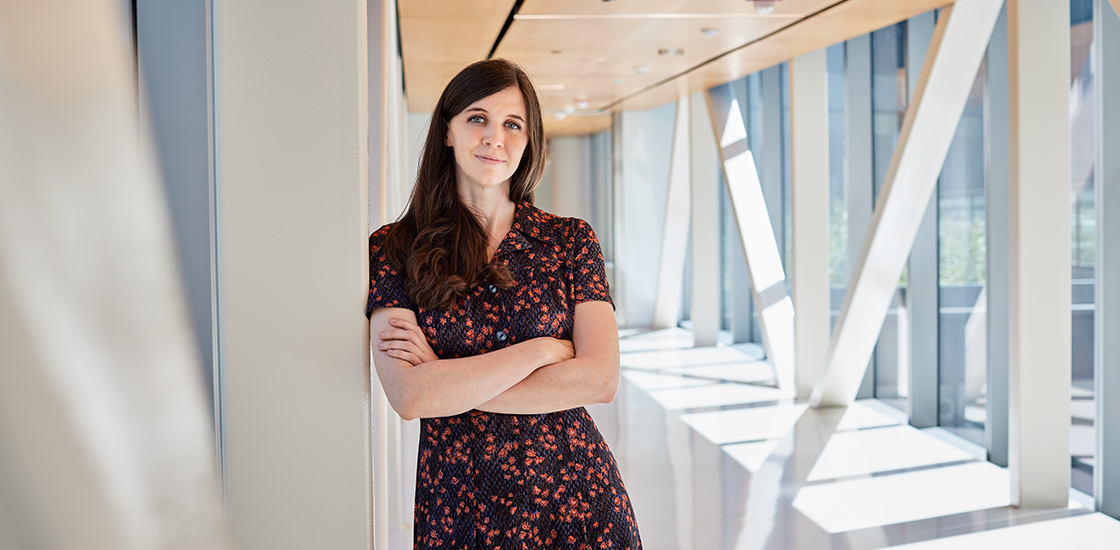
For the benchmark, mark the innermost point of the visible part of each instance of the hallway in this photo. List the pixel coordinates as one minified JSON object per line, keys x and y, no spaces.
{"x":714,"y":459}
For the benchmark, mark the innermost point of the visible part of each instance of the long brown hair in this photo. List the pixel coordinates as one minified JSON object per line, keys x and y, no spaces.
{"x":439,"y":243}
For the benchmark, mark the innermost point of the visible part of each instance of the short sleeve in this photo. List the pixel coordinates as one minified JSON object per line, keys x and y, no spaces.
{"x":589,"y":277}
{"x":386,"y":285}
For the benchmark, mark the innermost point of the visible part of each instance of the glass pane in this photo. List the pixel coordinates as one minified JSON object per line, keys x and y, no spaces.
{"x":962,"y":273}
{"x":838,"y":208}
{"x":1083,"y":242}
{"x":889,"y":102}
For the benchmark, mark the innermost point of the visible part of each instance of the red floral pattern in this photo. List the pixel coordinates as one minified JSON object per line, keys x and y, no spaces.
{"x":501,"y":481}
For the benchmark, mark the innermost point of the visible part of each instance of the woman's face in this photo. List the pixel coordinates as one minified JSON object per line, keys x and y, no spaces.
{"x":489,"y":137}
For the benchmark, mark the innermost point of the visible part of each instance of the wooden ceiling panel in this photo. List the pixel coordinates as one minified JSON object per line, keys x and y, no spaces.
{"x":438,"y":38}
{"x":576,"y":125}
{"x":588,"y":50}
{"x":847,"y":20}
{"x":619,"y":7}
{"x":598,"y":59}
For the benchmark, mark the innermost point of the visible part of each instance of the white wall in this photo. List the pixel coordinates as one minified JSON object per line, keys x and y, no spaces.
{"x":570,"y":159}
{"x":646,"y":148}
{"x":291,"y":169}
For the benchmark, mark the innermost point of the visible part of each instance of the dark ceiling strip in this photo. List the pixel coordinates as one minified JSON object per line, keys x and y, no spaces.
{"x":509,"y":21}
{"x":666,"y":80}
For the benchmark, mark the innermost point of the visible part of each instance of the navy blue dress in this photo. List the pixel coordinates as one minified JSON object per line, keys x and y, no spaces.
{"x":504,"y":481}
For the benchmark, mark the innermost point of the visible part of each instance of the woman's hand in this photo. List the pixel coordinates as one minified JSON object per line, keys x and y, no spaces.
{"x":407,"y":342}
{"x":555,"y":350}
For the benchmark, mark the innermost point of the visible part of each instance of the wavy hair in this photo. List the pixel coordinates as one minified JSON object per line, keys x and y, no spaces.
{"x":439,"y":244}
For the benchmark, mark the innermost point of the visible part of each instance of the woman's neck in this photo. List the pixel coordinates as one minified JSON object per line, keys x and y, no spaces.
{"x":495,"y":212}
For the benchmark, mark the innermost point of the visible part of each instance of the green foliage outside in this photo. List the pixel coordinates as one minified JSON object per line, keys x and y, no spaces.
{"x":962,"y":243}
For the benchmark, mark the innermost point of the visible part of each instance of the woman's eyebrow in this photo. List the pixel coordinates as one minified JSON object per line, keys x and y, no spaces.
{"x":481,"y":110}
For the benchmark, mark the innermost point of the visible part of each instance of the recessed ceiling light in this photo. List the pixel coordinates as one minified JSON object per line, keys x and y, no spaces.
{"x":561,"y":116}
{"x":709,"y":31}
{"x":641,"y":70}
{"x":582,"y":103}
{"x":569,"y":109}
{"x":763,"y":6}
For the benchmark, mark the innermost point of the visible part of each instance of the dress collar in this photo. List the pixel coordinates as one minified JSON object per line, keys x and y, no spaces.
{"x":527,"y":227}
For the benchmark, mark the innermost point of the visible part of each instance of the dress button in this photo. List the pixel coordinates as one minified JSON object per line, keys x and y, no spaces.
{"x":501,"y":335}
{"x":493,"y":289}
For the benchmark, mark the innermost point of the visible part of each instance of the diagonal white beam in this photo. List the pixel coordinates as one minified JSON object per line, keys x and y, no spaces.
{"x":958,"y":46}
{"x":674,"y":239}
{"x":764,"y":264}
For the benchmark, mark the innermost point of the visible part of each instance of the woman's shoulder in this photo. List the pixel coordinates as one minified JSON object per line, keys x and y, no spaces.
{"x":377,"y":238}
{"x":551,"y":224}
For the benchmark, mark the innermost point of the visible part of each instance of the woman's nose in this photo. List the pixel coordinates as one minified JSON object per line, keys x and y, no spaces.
{"x":494,"y":137}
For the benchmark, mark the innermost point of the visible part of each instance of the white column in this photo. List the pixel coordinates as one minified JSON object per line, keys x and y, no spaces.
{"x":1038,"y":74}
{"x":808,"y":104}
{"x":106,"y":440}
{"x":674,"y":238}
{"x":704,"y":301}
{"x":290,"y":132}
{"x":958,"y":46}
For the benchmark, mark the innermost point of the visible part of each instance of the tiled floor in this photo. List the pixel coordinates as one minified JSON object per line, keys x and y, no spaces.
{"x":713,"y":459}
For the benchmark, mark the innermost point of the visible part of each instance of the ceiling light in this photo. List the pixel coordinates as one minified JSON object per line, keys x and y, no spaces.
{"x":569,"y":109}
{"x":582,"y":103}
{"x":763,"y":6}
{"x":641,"y":70}
{"x":709,"y":31}
{"x":561,"y":116}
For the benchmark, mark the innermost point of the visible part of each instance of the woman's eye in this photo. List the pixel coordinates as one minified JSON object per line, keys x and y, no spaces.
{"x":513,"y":125}
{"x":475,"y":118}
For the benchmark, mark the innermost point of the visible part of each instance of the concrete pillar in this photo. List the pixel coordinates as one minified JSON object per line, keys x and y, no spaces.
{"x":291,"y":171}
{"x":704,"y":302}
{"x":808,"y":75}
{"x":1039,"y":368}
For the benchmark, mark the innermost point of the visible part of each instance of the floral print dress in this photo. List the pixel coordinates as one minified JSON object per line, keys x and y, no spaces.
{"x":503,"y":481}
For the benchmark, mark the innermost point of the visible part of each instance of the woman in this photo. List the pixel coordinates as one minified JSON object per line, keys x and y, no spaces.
{"x":491,"y":321}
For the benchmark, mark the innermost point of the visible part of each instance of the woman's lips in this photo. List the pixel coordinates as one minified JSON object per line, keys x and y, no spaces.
{"x":489,"y":160}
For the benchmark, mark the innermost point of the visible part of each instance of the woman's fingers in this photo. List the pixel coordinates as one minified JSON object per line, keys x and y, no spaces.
{"x":405,"y":356}
{"x":409,"y":337}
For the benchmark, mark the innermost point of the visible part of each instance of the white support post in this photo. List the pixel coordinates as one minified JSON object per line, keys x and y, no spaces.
{"x":764,"y":264}
{"x":674,"y":239}
{"x":1039,"y":366}
{"x":291,"y":129}
{"x":704,"y":302}
{"x":808,"y":76}
{"x":956,"y":51}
